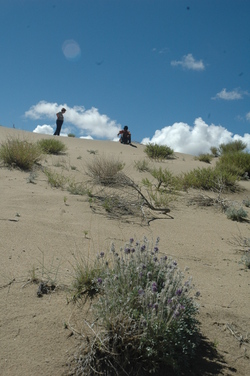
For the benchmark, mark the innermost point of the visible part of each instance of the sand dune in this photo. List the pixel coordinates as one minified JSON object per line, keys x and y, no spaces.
{"x":45,"y":230}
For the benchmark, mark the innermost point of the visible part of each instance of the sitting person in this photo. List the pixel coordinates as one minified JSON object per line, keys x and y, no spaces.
{"x":125,"y":136}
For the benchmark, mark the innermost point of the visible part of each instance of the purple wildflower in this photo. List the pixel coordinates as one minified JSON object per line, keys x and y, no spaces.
{"x":154,"y":286}
{"x":156,"y":249}
{"x":99,"y":280}
{"x":132,"y":250}
{"x":102,"y":254}
{"x":127,"y":251}
{"x":143,"y":247}
{"x":178,"y":292}
{"x":131,"y":240}
{"x":155,"y":259}
{"x":141,"y":292}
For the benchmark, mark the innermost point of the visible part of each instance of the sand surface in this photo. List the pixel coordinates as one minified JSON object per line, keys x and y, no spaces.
{"x":44,"y":230}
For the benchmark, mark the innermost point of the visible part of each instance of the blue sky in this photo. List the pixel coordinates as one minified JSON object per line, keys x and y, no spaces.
{"x":175,"y":71}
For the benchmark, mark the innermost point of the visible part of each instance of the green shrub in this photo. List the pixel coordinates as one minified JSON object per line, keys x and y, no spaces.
{"x":236,"y":163}
{"x":52,"y":146}
{"x":166,"y":179}
{"x":236,"y":214}
{"x":209,"y":179}
{"x":103,"y":170}
{"x":20,"y":154}
{"x":71,"y":135}
{"x":144,"y":314}
{"x":232,"y":147}
{"x":207,"y":158}
{"x":158,"y":152}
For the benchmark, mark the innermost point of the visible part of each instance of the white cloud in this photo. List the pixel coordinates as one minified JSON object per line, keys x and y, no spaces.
{"x":248,"y":116}
{"x":195,"y":140}
{"x":44,"y":129}
{"x":88,"y":122}
{"x":229,"y":95}
{"x":188,"y":62}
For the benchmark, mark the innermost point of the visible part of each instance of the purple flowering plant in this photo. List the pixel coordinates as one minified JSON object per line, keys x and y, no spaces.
{"x":143,"y":301}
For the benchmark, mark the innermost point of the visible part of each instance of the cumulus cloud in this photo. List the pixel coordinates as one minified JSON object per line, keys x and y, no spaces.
{"x":188,"y":62}
{"x":44,"y":129}
{"x":194,"y":140}
{"x":229,"y":95}
{"x":89,"y":122}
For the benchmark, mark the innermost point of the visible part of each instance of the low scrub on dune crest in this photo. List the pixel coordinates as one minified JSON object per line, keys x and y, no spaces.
{"x":232,"y":147}
{"x":52,"y":146}
{"x":159,"y":152}
{"x":20,"y":154}
{"x":207,"y":158}
{"x":143,"y":311}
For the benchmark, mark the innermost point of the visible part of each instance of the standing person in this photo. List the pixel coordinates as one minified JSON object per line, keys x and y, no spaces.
{"x":59,"y":121}
{"x":125,"y":136}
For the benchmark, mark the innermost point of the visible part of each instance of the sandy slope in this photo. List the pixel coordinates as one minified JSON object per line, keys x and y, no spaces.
{"x":42,"y":231}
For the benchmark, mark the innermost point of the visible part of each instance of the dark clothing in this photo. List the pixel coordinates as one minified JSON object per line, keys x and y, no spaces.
{"x":59,"y":124}
{"x":125,"y":137}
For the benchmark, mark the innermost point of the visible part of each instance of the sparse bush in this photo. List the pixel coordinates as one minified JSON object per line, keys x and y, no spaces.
{"x":236,"y":214}
{"x":237,"y":163}
{"x":247,"y":203}
{"x":104,"y":170}
{"x":52,"y":146}
{"x":246,"y":259}
{"x":20,"y":154}
{"x":207,"y":158}
{"x":209,"y":179}
{"x":214,"y":150}
{"x":158,"y":152}
{"x":56,"y":180}
{"x":144,"y":314}
{"x":78,"y":188}
{"x":165,"y":179}
{"x":142,"y":165}
{"x":232,"y":147}
{"x":71,"y":135}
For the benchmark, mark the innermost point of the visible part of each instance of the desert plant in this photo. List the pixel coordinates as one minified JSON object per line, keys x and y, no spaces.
{"x":246,"y":203}
{"x":246,"y":259}
{"x":20,"y":154}
{"x":214,"y":150}
{"x":165,"y":178}
{"x":209,"y":179}
{"x":158,"y":152}
{"x":56,"y":180}
{"x":232,"y":147}
{"x":78,"y":188}
{"x":236,"y":214}
{"x":52,"y":146}
{"x":207,"y":158}
{"x":71,"y":135}
{"x":104,"y":171}
{"x":237,"y":163}
{"x":142,"y":165}
{"x":144,"y":314}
